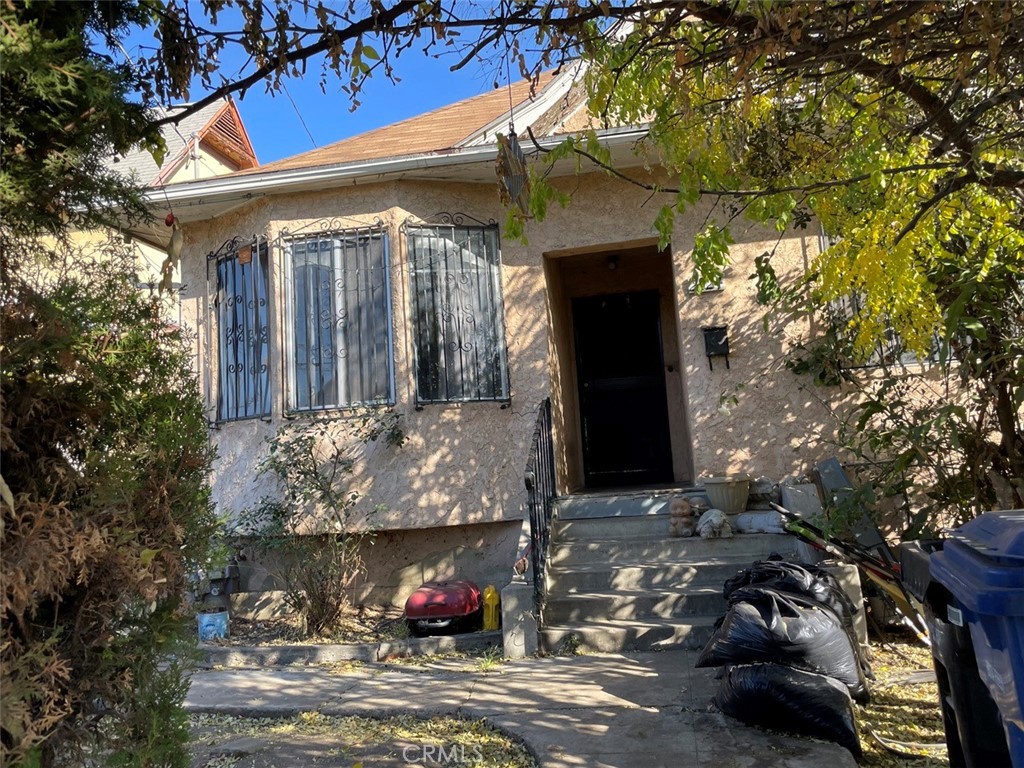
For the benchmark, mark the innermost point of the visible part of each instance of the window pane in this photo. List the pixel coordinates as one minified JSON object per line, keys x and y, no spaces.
{"x":244,"y":376}
{"x":340,"y":318}
{"x":843,"y":313}
{"x":459,"y":322}
{"x":314,"y":345}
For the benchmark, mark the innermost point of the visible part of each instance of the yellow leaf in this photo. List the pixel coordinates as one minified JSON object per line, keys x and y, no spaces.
{"x":147,"y":555}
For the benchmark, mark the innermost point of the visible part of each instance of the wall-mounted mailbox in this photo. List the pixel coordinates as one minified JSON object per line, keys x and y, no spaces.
{"x":716,"y":343}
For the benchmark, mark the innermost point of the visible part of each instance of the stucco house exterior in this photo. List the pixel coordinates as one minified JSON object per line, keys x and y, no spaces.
{"x":211,"y":141}
{"x":374,"y":272}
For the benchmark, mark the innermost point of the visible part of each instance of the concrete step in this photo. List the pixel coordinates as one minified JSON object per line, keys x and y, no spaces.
{"x":601,"y":505}
{"x":597,"y":577}
{"x":665,"y":550}
{"x":652,"y":525}
{"x":610,"y":527}
{"x":617,"y":582}
{"x":623,"y":605}
{"x":633,"y":635}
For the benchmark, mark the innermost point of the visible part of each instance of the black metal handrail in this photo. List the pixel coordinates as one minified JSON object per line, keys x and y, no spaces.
{"x":540,"y":490}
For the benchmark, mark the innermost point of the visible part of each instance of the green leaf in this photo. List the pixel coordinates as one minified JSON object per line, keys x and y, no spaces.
{"x":768,"y":289}
{"x":664,"y":225}
{"x":975,"y":328}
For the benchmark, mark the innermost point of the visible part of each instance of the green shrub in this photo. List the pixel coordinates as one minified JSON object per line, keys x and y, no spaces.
{"x":310,"y":528}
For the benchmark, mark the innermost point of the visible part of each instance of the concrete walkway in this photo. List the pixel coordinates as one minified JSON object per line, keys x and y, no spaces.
{"x":642,"y":710}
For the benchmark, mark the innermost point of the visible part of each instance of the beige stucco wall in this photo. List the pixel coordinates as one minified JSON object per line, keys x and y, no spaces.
{"x":780,"y":422}
{"x":206,"y":164}
{"x":777,"y":427}
{"x":463,"y":464}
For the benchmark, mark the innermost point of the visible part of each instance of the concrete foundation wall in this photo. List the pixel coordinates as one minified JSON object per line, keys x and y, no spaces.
{"x":397,"y":562}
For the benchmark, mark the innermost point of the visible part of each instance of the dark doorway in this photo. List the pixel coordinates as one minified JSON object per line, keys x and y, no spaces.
{"x":623,"y":406}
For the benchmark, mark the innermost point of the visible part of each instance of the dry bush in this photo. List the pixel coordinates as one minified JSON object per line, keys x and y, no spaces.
{"x":105,"y":458}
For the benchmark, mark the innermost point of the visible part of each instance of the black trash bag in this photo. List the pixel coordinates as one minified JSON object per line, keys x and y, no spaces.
{"x":810,"y":581}
{"x":784,"y":699}
{"x":765,"y":625}
{"x":843,"y":661}
{"x":798,"y":579}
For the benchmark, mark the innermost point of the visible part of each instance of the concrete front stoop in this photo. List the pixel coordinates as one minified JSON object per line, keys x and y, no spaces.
{"x":616,"y":581}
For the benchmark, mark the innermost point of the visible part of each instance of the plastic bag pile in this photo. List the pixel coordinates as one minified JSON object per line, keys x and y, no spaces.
{"x":790,"y":656}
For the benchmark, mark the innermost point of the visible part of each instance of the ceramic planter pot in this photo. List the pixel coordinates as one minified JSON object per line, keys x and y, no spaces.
{"x":728,"y":493}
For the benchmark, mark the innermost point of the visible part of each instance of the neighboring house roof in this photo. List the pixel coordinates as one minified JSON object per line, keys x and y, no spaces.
{"x":440,"y":130}
{"x":217,"y":126}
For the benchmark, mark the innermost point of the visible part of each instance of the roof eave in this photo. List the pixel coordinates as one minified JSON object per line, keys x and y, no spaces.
{"x":526,"y":112}
{"x":301,"y":179}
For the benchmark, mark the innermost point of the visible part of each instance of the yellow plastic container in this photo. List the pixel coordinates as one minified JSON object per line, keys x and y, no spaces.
{"x":492,"y":608}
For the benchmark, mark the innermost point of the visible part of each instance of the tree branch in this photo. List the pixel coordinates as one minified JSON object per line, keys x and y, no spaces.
{"x":364,"y":26}
{"x":1006,"y":178}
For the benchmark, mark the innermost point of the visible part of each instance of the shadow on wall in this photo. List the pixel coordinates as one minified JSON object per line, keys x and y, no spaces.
{"x":462,"y":465}
{"x":755,"y":415}
{"x":397,"y":562}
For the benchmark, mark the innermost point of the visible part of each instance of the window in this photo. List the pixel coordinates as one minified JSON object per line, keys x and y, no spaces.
{"x":339,"y":320}
{"x":240,"y":305}
{"x":889,"y":350}
{"x":459,"y":324}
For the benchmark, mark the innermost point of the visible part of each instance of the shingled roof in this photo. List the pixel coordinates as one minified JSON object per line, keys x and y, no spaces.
{"x":218,"y":125}
{"x":437,"y":131}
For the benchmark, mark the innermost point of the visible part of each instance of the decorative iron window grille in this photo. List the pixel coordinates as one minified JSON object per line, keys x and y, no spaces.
{"x":338,"y":318}
{"x":241,"y":312}
{"x":890,"y":350}
{"x":458,"y":314}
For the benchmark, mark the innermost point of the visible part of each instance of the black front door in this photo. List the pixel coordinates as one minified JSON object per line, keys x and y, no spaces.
{"x":623,"y":406}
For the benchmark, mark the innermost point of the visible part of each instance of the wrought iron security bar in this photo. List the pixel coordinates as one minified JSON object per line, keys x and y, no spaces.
{"x":237,"y":279}
{"x":540,"y":492}
{"x":458,"y":310}
{"x":336,"y":316}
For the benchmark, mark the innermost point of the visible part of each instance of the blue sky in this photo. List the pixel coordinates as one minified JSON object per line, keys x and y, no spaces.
{"x":274,"y":124}
{"x":276,"y":131}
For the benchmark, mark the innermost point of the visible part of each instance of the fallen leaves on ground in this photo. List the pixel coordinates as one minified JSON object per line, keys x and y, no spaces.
{"x":356,"y":734}
{"x":900,"y":710}
{"x":360,"y":624}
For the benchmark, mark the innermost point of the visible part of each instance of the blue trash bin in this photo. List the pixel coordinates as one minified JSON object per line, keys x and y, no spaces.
{"x":982,"y":567}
